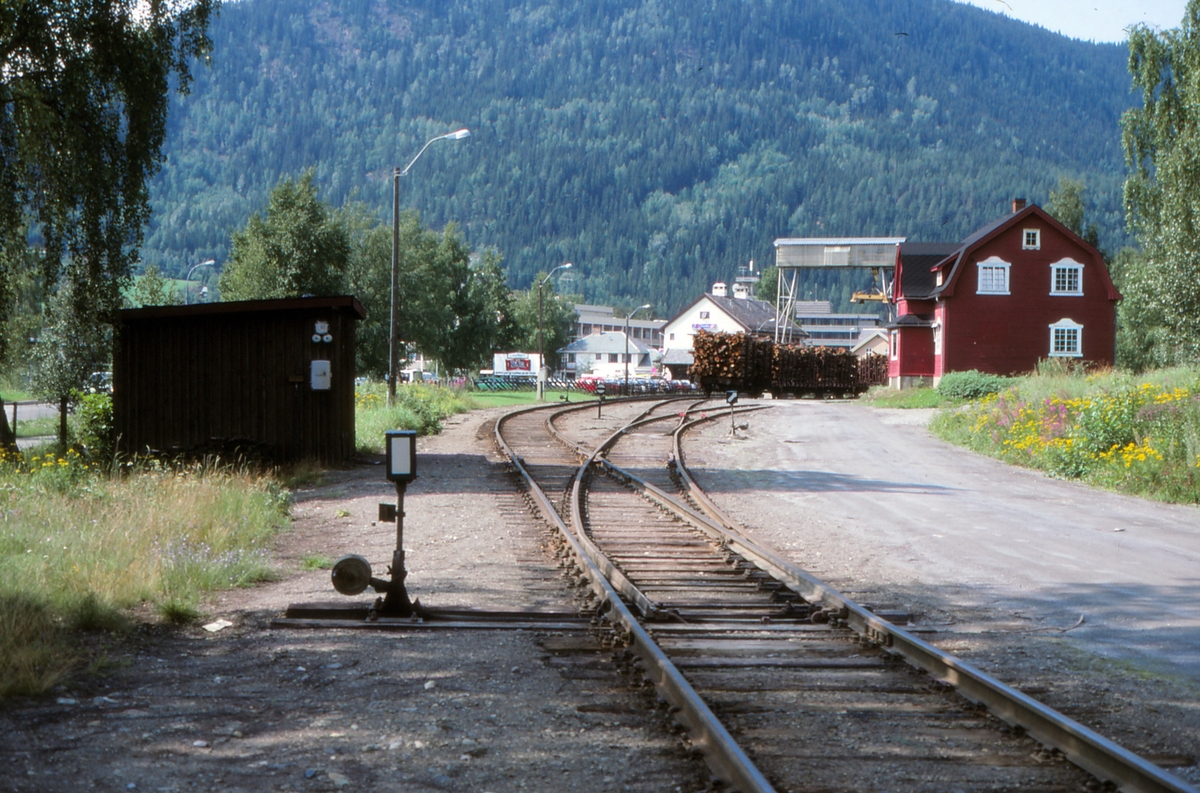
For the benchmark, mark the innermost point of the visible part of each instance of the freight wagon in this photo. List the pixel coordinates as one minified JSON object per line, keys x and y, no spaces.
{"x":740,"y":362}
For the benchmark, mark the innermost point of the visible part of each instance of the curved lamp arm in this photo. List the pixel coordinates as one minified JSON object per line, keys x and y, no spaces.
{"x":456,"y":135}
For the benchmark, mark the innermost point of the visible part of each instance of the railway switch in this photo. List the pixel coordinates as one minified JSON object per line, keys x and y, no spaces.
{"x":351,"y":574}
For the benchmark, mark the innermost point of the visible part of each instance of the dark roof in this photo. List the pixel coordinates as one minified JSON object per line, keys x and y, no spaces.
{"x":245,"y":307}
{"x":951,"y":266}
{"x":917,"y":259}
{"x":676,"y":357}
{"x":910,"y":321}
{"x":756,"y":316}
{"x":611,"y":341}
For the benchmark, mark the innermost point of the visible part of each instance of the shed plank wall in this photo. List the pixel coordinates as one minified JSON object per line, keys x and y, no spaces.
{"x":181,"y":381}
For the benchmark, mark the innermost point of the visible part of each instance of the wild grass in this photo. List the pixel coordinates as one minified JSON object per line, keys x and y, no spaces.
{"x":315,"y":561}
{"x":36,"y":428}
{"x":882,"y":396}
{"x":80,"y":548}
{"x":418,"y":407}
{"x":1135,"y":434}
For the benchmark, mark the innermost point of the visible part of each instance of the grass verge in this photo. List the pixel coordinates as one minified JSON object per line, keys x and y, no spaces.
{"x":36,"y":428}
{"x":490,"y":399}
{"x":1138,"y":435}
{"x":418,"y":407}
{"x":79,"y":549}
{"x":882,"y":396}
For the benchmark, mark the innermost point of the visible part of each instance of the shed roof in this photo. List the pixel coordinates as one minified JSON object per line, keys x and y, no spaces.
{"x":246,"y":307}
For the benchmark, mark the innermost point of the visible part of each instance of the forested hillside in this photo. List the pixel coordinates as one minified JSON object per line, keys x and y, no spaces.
{"x":655,"y":143}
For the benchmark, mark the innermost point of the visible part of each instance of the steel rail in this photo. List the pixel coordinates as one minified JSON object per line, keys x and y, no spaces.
{"x":722,"y":753}
{"x":1086,"y":748}
{"x":648,"y":608}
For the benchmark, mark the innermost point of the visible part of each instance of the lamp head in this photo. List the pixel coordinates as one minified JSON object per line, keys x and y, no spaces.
{"x":401,"y":449}
{"x":458,"y":134}
{"x":565,"y":266}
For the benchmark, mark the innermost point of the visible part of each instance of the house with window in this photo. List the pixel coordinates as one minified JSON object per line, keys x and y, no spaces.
{"x":607,"y":354}
{"x":1018,"y":290}
{"x":591,"y":319}
{"x":716,"y":311}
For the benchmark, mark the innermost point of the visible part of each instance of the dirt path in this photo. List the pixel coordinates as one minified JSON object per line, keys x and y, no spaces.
{"x":250,"y":708}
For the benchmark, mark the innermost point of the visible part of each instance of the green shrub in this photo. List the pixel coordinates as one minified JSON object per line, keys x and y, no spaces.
{"x":1141,"y":438}
{"x":418,"y":407}
{"x":971,"y":384}
{"x":94,"y":425}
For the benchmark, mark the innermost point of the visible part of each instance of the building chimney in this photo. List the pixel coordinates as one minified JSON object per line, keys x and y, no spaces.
{"x":1018,"y":205}
{"x":741,"y":292}
{"x":719,"y":289}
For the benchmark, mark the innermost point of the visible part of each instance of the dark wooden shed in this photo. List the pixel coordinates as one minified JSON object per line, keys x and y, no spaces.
{"x":274,"y":377}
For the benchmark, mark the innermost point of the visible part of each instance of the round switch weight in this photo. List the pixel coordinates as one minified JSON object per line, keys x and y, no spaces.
{"x":351,"y":574}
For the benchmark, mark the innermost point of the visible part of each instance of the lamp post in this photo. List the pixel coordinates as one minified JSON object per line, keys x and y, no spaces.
{"x":393,"y":347}
{"x":541,"y":382}
{"x":186,"y":291}
{"x":627,"y":316}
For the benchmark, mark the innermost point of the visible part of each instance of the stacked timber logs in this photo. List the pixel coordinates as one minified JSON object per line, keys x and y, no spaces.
{"x":873,"y":369}
{"x":737,"y":360}
{"x":817,"y":368}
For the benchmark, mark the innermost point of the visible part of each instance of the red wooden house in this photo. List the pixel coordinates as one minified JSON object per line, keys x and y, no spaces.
{"x":1016,"y":291}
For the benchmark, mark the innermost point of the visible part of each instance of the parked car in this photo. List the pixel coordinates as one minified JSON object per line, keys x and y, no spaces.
{"x":588,"y":382}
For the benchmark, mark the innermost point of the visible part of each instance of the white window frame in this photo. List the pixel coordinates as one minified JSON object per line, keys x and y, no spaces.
{"x":1064,"y":330}
{"x":895,"y":344}
{"x":992,"y":263}
{"x":937,"y":338}
{"x":1067,"y":265}
{"x":1031,"y":239}
{"x":704,"y":315}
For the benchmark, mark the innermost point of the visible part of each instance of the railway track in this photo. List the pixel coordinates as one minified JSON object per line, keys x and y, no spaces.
{"x":781,"y":682}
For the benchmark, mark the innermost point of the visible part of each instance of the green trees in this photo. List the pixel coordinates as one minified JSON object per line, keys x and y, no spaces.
{"x":70,"y":348}
{"x":767,"y":287}
{"x":599,"y":139}
{"x":297,"y":249}
{"x":450,"y":309}
{"x":83,"y":108}
{"x":151,"y":289}
{"x":558,"y":319}
{"x":1162,"y":192}
{"x":1066,"y":205}
{"x":453,"y":306}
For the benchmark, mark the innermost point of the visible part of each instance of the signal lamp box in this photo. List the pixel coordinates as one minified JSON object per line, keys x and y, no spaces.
{"x":270,"y":379}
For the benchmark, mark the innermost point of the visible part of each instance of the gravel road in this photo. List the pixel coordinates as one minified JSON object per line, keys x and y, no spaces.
{"x":859,"y":496}
{"x":869,"y":495}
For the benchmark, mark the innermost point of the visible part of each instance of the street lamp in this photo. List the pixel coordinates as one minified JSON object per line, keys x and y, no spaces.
{"x":393,"y":347}
{"x":541,"y":382}
{"x":627,"y":316}
{"x":187,"y":292}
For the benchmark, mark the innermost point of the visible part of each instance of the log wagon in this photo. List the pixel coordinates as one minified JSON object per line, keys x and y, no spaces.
{"x":741,"y":362}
